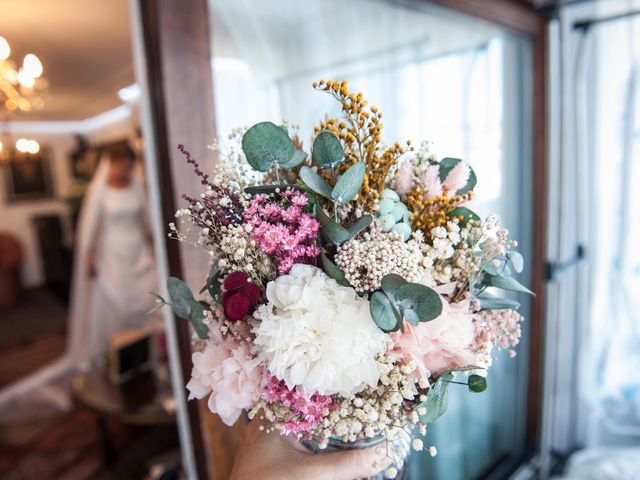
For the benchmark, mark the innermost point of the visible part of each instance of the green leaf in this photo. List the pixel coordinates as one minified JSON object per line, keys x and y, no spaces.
{"x":418,"y":303}
{"x":185,"y":306}
{"x":437,"y":399}
{"x":331,"y":231}
{"x":477,"y":383}
{"x":349,"y":184}
{"x":516,"y":260}
{"x":359,"y":225}
{"x":266,"y":145}
{"x":160,"y":302}
{"x":333,"y":271}
{"x":509,"y":283}
{"x":315,"y":182}
{"x":498,"y":304}
{"x":491,"y":269}
{"x":384,"y":315}
{"x":390,"y":283}
{"x":327,"y":151}
{"x":465,"y":213}
{"x":299,"y":156}
{"x":212,"y":284}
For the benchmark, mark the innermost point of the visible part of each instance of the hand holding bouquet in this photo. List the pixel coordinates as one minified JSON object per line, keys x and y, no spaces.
{"x":347,"y":287}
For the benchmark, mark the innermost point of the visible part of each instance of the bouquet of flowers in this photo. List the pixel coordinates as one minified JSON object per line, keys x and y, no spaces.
{"x":348,"y":285}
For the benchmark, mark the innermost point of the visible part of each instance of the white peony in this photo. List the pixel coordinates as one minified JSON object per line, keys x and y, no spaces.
{"x":318,"y":335}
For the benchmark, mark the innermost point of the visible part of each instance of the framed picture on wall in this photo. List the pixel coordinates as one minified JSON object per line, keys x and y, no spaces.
{"x":28,"y":176}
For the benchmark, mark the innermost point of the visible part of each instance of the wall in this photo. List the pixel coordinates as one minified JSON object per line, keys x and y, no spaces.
{"x":16,"y":218}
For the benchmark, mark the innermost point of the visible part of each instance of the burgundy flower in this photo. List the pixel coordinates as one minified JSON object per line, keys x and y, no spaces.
{"x":235,"y":281}
{"x":251,"y":291}
{"x":236,"y":307}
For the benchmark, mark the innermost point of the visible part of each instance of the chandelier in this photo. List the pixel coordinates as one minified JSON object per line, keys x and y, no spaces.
{"x":20,"y":86}
{"x":20,"y":89}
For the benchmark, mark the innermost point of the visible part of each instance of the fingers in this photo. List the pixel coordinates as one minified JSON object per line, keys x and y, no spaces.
{"x":350,"y":464}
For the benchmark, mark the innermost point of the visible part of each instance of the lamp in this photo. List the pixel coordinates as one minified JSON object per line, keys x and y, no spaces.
{"x":20,"y":86}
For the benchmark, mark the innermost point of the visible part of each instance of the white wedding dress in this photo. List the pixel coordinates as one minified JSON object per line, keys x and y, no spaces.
{"x":114,"y":223}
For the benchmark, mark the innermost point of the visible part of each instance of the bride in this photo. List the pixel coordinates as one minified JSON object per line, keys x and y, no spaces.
{"x":115,"y":270}
{"x":113,"y":275}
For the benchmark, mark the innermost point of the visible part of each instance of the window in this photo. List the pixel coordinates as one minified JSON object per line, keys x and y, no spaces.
{"x":461,"y":84}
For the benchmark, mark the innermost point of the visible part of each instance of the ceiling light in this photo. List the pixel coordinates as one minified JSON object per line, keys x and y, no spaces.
{"x":32,"y":65}
{"x":5,"y":49}
{"x":20,"y":88}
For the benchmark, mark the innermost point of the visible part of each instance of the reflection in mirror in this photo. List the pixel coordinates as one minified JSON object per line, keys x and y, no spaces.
{"x":85,"y":390}
{"x":438,"y":76}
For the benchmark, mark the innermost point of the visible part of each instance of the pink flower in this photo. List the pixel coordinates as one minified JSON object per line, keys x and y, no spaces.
{"x":227,"y":372}
{"x":457,"y":177}
{"x":284,"y":233}
{"x":307,"y":411}
{"x":430,"y":179}
{"x":439,"y":345}
{"x":404,"y":181}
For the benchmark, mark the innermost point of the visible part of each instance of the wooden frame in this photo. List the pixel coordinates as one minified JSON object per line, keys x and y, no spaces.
{"x":176,"y":37}
{"x":520,"y":17}
{"x":28,"y":176}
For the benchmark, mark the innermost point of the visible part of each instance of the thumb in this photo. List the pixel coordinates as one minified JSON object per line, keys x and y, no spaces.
{"x":350,"y":464}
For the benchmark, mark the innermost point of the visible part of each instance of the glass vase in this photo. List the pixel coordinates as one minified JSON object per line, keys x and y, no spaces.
{"x":398,"y":450}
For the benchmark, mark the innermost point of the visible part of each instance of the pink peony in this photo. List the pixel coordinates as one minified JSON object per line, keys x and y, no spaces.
{"x":439,"y":345}
{"x":227,"y":372}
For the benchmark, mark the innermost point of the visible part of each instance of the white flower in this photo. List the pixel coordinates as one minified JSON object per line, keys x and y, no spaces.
{"x":318,"y":335}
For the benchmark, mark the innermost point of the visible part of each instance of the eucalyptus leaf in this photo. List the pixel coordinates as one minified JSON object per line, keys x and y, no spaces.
{"x":266,"y":145}
{"x":383,"y":313}
{"x":160,"y":302}
{"x":331,"y":231}
{"x":359,"y":225}
{"x":509,"y":283}
{"x":349,"y":184}
{"x":212,"y":284}
{"x":185,"y":306}
{"x":315,"y":182}
{"x":390,"y":283}
{"x":498,"y":304}
{"x":333,"y":271}
{"x":493,"y":269}
{"x":437,"y":399}
{"x":465,"y":213}
{"x":477,"y":383}
{"x":327,"y":150}
{"x":516,"y":260}
{"x":418,"y":303}
{"x":298,"y":157}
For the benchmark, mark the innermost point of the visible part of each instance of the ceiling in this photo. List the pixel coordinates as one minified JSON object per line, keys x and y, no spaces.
{"x":85,"y":48}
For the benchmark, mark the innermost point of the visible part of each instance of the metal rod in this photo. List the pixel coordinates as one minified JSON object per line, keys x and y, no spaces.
{"x":588,"y":23}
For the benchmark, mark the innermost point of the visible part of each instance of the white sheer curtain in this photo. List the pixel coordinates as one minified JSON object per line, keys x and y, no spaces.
{"x":613,"y":391}
{"x":593,"y":350}
{"x":437,"y":76}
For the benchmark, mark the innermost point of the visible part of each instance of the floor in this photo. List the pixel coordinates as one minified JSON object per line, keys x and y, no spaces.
{"x":32,"y":334}
{"x":62,"y":446}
